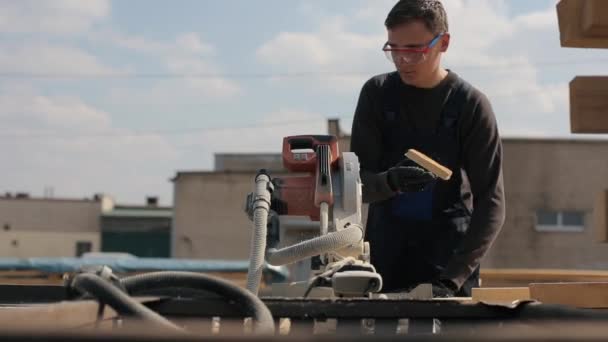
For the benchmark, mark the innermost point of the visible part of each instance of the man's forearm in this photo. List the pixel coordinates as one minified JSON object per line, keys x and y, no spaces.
{"x":486,"y":222}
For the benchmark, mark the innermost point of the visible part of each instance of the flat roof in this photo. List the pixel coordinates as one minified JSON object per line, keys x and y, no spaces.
{"x":50,"y":199}
{"x":139,"y":213}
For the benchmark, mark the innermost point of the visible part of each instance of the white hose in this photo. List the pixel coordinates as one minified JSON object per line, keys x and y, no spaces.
{"x":261,"y":207}
{"x":319,"y":245}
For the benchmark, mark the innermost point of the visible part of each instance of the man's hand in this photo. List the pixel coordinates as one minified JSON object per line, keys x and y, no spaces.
{"x":444,"y":289}
{"x":408,"y":178}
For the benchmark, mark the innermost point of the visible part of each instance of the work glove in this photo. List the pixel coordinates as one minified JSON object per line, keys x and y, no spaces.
{"x":408,"y":178}
{"x":444,"y":288}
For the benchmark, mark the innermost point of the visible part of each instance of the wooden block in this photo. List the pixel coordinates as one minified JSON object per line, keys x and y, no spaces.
{"x":594,"y":20}
{"x":589,"y":104}
{"x":582,"y":23}
{"x":429,"y":164}
{"x":600,"y":216}
{"x":581,"y":295}
{"x":500,"y":294}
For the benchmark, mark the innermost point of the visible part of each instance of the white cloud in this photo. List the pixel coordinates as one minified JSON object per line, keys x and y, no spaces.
{"x":265,"y":137}
{"x":191,"y":42}
{"x":52,"y":16}
{"x":43,"y":58}
{"x":333,"y":51}
{"x":541,"y":20}
{"x":72,"y":146}
{"x":188,"y":57}
{"x":500,"y":54}
{"x":203,"y":86}
{"x":312,"y":51}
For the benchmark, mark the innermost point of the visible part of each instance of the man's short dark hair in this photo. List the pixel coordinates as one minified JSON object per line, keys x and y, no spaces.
{"x":431,"y":12}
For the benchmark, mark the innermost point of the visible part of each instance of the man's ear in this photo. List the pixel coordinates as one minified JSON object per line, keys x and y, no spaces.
{"x":445,"y":42}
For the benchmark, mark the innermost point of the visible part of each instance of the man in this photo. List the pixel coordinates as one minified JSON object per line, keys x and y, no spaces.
{"x":422,"y":229}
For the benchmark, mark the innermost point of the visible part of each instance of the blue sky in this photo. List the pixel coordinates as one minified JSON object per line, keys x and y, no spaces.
{"x":117,"y":96}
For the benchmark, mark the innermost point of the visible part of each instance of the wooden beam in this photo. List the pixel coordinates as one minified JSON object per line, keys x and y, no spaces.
{"x":600,"y":216}
{"x":589,"y":104}
{"x":594,"y":20}
{"x":581,"y":295}
{"x":583,"y":23}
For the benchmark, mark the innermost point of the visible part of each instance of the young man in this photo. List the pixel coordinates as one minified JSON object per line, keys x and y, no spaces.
{"x":422,"y":229}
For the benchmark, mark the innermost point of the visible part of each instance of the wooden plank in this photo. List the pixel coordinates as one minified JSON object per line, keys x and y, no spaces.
{"x":523,"y":277}
{"x":60,"y":316}
{"x":497,"y":295}
{"x":589,"y":104}
{"x":600,"y":216}
{"x":579,"y":26}
{"x":34,"y":277}
{"x":582,"y":295}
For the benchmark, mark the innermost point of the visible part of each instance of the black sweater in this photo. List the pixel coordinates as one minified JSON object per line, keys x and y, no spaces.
{"x":481,"y":158}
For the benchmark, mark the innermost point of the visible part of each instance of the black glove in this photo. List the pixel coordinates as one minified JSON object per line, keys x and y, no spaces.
{"x":408,"y":178}
{"x":444,"y":288}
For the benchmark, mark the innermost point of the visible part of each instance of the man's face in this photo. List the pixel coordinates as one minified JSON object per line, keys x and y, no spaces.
{"x":415,"y":35}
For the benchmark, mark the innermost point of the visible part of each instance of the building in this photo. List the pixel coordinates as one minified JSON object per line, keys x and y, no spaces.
{"x":45,"y":227}
{"x":209,"y":217}
{"x":143,"y":231}
{"x":54,"y":227}
{"x":551,"y":185}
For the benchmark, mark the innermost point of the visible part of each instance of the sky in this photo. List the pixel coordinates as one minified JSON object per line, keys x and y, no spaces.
{"x":116,"y":97}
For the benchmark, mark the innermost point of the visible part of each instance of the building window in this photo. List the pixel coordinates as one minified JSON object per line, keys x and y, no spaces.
{"x":560,"y":221}
{"x":83,"y":247}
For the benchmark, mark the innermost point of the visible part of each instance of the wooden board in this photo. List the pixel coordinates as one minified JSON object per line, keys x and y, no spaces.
{"x":589,"y":104}
{"x":581,"y":295}
{"x":523,"y":277}
{"x":498,"y":295}
{"x":600,"y":216}
{"x":583,"y":23}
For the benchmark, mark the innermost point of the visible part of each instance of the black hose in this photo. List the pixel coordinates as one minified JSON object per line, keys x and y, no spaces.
{"x":109,"y":294}
{"x":263,"y":322}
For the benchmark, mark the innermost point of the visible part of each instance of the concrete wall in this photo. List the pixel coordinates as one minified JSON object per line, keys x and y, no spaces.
{"x":26,"y":244}
{"x":209,"y":221}
{"x":247,"y":162}
{"x":38,"y":227}
{"x":554,"y":175}
{"x":50,"y":215}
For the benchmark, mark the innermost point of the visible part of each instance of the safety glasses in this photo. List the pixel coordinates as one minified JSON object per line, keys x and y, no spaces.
{"x":408,"y":55}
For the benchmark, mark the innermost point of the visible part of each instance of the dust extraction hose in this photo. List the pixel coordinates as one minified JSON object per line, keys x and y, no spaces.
{"x":263,"y":322}
{"x":261,"y":208}
{"x":319,"y":245}
{"x":111,"y":295}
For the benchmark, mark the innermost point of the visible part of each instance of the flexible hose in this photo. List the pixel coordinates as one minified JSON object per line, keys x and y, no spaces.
{"x":261,"y":207}
{"x":263,"y":322}
{"x":109,"y":294}
{"x":319,"y":245}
